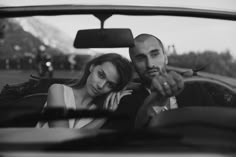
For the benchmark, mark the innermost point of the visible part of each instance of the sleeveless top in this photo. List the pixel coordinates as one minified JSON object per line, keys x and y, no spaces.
{"x":70,"y":104}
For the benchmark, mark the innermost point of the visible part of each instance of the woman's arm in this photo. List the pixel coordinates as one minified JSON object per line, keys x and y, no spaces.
{"x":56,"y":99}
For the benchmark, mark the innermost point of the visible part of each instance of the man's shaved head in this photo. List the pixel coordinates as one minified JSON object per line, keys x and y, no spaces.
{"x":148,"y":56}
{"x":143,"y":37}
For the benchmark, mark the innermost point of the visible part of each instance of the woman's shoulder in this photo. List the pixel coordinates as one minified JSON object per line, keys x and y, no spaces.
{"x":55,"y":94}
{"x":55,"y":87}
{"x":58,"y":87}
{"x":60,"y":90}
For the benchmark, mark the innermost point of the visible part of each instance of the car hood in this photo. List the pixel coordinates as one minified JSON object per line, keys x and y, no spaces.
{"x":204,"y":75}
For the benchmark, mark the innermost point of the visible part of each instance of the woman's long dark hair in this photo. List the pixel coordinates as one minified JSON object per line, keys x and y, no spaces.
{"x":122,"y":65}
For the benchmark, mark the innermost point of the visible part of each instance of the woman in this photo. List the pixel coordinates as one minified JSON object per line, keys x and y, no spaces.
{"x":103,"y":79}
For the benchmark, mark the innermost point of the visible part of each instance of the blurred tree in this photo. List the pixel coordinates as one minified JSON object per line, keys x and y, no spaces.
{"x":218,"y":63}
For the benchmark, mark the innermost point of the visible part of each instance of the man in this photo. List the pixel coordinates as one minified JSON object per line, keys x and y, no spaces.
{"x":157,"y":88}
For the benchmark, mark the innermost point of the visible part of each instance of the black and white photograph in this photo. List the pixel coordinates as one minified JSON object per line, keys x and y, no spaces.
{"x":117,"y":78}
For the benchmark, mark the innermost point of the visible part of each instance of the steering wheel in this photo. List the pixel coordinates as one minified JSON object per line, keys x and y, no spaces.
{"x":143,"y":116}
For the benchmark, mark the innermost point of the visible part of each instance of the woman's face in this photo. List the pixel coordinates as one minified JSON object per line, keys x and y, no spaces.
{"x":102,"y":79}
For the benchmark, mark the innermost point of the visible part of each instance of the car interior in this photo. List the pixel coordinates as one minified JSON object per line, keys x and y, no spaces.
{"x":206,"y":106}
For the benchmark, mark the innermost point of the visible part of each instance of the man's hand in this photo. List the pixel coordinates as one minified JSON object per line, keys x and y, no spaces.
{"x":168,"y":84}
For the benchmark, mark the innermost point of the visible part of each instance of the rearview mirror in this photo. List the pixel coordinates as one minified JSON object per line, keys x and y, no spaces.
{"x":104,"y":38}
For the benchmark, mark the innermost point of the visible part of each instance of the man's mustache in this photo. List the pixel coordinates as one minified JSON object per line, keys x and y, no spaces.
{"x":155,"y":69}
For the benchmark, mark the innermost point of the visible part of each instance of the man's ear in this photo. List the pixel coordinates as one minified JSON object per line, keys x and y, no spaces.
{"x":91,"y":68}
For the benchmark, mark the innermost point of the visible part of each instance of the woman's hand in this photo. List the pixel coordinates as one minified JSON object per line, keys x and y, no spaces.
{"x":113,"y":99}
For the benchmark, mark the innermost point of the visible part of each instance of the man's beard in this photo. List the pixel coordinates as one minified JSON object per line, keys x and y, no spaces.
{"x":150,"y":73}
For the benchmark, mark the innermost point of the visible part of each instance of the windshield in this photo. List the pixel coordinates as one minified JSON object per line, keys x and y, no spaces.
{"x":189,"y":42}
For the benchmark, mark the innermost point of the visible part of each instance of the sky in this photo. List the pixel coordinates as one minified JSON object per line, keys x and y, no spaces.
{"x":185,"y":33}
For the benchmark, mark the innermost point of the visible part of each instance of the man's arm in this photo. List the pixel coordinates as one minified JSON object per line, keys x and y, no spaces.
{"x":163,"y":87}
{"x":149,"y":108}
{"x":128,"y":106}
